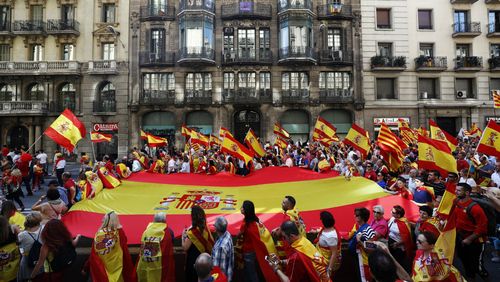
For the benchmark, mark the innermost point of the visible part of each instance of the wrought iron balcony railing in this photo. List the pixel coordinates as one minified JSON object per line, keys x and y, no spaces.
{"x":431,"y":63}
{"x":285,"y":5}
{"x":330,"y":56}
{"x":470,"y":29}
{"x":388,"y":63}
{"x":155,"y":97}
{"x":156,"y":59}
{"x":295,"y":96}
{"x":196,"y":5}
{"x":29,"y":27}
{"x":105,"y":106}
{"x":297,"y":53}
{"x":63,"y":27}
{"x":469,"y":62}
{"x":23,"y":107}
{"x":335,"y":96}
{"x":197,"y":53}
{"x":198,"y":97}
{"x":334,"y":11}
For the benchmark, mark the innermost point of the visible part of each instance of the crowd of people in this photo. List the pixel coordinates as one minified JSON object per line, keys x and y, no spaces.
{"x":38,"y":246}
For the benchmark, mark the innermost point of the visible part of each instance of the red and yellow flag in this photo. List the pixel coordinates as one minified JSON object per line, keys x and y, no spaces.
{"x":440,"y":135}
{"x":199,"y":138}
{"x":156,"y":141}
{"x":391,"y":147}
{"x":108,"y":179}
{"x":422,"y":131}
{"x":144,"y":135}
{"x":223,"y":131}
{"x":253,"y":143}
{"x":280,"y":131}
{"x":436,"y":155}
{"x":325,"y":128}
{"x":231,"y":146}
{"x":407,"y":134}
{"x":489,"y":143}
{"x":201,"y":239}
{"x":186,"y":131}
{"x":66,"y":130}
{"x":496,"y":99}
{"x":359,"y":139}
{"x":315,"y":264}
{"x":475,"y":131}
{"x":97,"y":137}
{"x":280,"y":142}
{"x":215,"y":140}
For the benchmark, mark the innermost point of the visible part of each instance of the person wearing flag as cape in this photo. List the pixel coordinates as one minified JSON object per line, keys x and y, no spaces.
{"x":156,"y":256}
{"x":292,"y":214}
{"x":196,"y":239}
{"x":400,"y":237}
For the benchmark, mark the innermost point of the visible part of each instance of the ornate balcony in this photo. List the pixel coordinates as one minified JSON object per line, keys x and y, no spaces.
{"x":463,"y":1}
{"x":198,"y":97}
{"x":23,"y":108}
{"x":29,"y":27}
{"x":103,"y":67}
{"x":471,"y":63}
{"x":386,"y":63}
{"x":55,"y":27}
{"x":147,"y":58}
{"x":295,"y":96}
{"x":472,"y":29}
{"x":334,"y":11}
{"x":199,"y":55}
{"x":335,"y":57}
{"x":297,"y":55}
{"x":424,"y":63}
{"x":106,"y":107}
{"x":264,"y":57}
{"x":159,"y":12}
{"x":43,"y":67}
{"x":157,"y":97}
{"x":246,"y":96}
{"x":335,"y":96}
{"x":5,"y":28}
{"x":198,"y":5}
{"x":288,"y":5}
{"x":246,"y":10}
{"x":494,"y":63}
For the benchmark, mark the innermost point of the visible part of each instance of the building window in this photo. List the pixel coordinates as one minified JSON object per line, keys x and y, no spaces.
{"x":36,"y":92}
{"x":7,"y":93}
{"x":158,"y":86}
{"x":68,"y":52}
{"x":424,"y":19}
{"x":246,"y":80}
{"x":4,"y":52}
{"x":108,"y":13}
{"x":464,"y":88}
{"x":494,"y":21}
{"x":427,"y":49}
{"x":494,"y":85}
{"x":107,"y":102}
{"x":246,"y":43}
{"x":36,"y":13}
{"x":4,"y":18}
{"x":386,"y":88}
{"x":199,"y":81}
{"x":157,"y":43}
{"x":495,"y":50}
{"x":428,"y":88}
{"x":228,"y":85}
{"x":67,"y":97}
{"x":265,"y":81}
{"x":196,"y":35}
{"x":383,"y":18}
{"x":461,"y":21}
{"x":385,"y":49}
{"x":335,"y":81}
{"x":228,"y":40}
{"x":295,"y":81}
{"x":264,"y":41}
{"x":67,"y":13}
{"x":463,"y":50}
{"x":334,"y":39}
{"x":36,"y":52}
{"x":108,"y":51}
{"x":296,"y":36}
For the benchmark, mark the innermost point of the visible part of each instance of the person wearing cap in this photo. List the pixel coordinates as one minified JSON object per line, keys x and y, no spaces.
{"x":379,"y":223}
{"x":472,"y":229}
{"x":426,"y":222}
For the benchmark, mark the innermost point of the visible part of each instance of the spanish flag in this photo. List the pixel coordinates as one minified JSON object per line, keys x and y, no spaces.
{"x":215,"y":140}
{"x":440,"y":135}
{"x":435,"y":155}
{"x":496,"y":99}
{"x":123,"y":171}
{"x":475,"y":131}
{"x":202,"y":240}
{"x":325,"y":128}
{"x":66,"y":130}
{"x":280,"y":131}
{"x":144,"y":135}
{"x":97,"y":137}
{"x":489,"y":143}
{"x":108,"y":179}
{"x":359,"y":139}
{"x":231,"y":146}
{"x":315,"y":264}
{"x":156,"y":141}
{"x":223,"y":131}
{"x":391,"y":147}
{"x":199,"y":138}
{"x":253,"y":143}
{"x":186,"y":131}
{"x":422,"y":131}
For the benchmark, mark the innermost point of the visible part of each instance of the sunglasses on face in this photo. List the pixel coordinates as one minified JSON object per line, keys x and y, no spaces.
{"x":377,"y":212}
{"x":420,"y":241}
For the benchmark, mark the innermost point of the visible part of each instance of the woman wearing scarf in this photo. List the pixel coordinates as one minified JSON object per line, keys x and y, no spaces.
{"x":196,"y":239}
{"x":110,"y":259}
{"x":400,"y":238}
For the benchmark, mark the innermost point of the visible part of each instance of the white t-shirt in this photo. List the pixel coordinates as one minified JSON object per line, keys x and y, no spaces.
{"x":136,"y":166}
{"x":495,"y":177}
{"x":185,"y":167}
{"x":394,"y":230}
{"x":61,"y":164}
{"x":328,"y":239}
{"x":42,"y":157}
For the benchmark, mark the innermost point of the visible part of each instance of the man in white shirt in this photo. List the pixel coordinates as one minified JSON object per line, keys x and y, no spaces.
{"x":42,"y":157}
{"x":171,"y":165}
{"x":495,"y":177}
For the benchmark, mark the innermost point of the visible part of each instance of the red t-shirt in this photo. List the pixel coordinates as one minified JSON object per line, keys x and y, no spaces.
{"x":24,"y":167}
{"x":461,"y":164}
{"x":249,"y":233}
{"x":69,"y":183}
{"x":5,"y":151}
{"x":372,"y":175}
{"x":465,"y":226}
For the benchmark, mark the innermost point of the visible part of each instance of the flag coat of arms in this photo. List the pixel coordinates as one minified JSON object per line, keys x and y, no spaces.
{"x":66,"y":130}
{"x":236,"y":149}
{"x":253,"y":143}
{"x":358,"y":138}
{"x":489,"y":143}
{"x":436,"y":155}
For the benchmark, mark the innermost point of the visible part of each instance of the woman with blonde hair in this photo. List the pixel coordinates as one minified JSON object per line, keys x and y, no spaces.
{"x":31,"y":234}
{"x":109,"y":257}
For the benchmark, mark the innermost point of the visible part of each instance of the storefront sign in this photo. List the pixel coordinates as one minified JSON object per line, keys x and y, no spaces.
{"x":389,"y":121}
{"x":105,"y":126}
{"x":496,"y":119}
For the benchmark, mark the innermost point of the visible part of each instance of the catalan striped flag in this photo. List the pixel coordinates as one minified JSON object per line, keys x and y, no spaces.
{"x":253,"y":143}
{"x":278,"y":130}
{"x":98,"y":137}
{"x":323,"y":127}
{"x":408,"y":135}
{"x":391,"y":147}
{"x":442,"y":136}
{"x":435,"y":155}
{"x":496,"y":99}
{"x":280,"y":142}
{"x":66,"y":130}
{"x":359,"y":139}
{"x":489,"y":143}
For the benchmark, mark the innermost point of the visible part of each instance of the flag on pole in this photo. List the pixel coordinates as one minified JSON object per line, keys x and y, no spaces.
{"x":253,"y":143}
{"x":407,"y":134}
{"x":440,"y":135}
{"x":231,"y":146}
{"x":280,"y":142}
{"x":475,"y":131}
{"x":325,"y":128}
{"x":223,"y":131}
{"x":496,"y":99}
{"x":66,"y":130}
{"x":435,"y":155}
{"x":156,"y":141}
{"x":215,"y":140}
{"x":186,"y":131}
{"x":359,"y":139}
{"x":278,"y":130}
{"x":199,"y":138}
{"x":98,"y":137}
{"x":391,"y":147}
{"x":144,"y":135}
{"x":489,"y":143}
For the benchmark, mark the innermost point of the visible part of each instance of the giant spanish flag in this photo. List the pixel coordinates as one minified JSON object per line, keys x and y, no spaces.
{"x":66,"y":130}
{"x":358,"y":138}
{"x":142,"y":195}
{"x":489,"y":143}
{"x":440,"y":135}
{"x":436,"y":155}
{"x":253,"y":143}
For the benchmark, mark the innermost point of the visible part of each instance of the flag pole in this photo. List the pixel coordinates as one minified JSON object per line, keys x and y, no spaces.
{"x":34,"y":142}
{"x":92,"y":145}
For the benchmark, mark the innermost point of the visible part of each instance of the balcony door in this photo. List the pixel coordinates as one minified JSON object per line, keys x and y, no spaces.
{"x":494,"y":21}
{"x":245,"y":120}
{"x":495,"y":50}
{"x":461,"y":20}
{"x":385,"y":49}
{"x":4,"y":18}
{"x":67,"y":13}
{"x":157,"y":44}
{"x":463,"y":50}
{"x":246,"y":43}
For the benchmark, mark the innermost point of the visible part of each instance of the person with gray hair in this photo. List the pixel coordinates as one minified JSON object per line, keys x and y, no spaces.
{"x":207,"y":271}
{"x":223,"y":252}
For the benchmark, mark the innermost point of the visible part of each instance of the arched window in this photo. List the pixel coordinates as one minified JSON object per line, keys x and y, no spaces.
{"x":67,"y":97}
{"x":341,"y":119}
{"x":296,"y":122}
{"x":106,"y":99}
{"x":36,"y":92}
{"x":201,"y":121}
{"x":7,"y":92}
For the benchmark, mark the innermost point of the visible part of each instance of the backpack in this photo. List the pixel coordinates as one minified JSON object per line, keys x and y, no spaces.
{"x":489,"y":211}
{"x":34,"y":253}
{"x":63,"y":258}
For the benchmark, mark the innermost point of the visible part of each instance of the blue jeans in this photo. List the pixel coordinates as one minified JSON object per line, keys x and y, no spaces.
{"x":249,"y":268}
